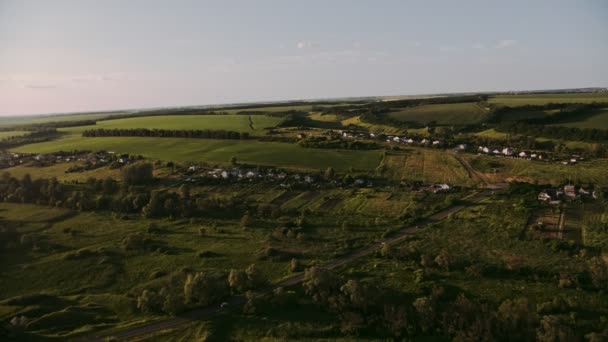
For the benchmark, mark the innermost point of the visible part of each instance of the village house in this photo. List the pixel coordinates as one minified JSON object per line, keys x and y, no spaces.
{"x":507,"y":151}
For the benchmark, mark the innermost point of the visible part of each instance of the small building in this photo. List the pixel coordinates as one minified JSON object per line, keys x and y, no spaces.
{"x":570,"y":191}
{"x":507,"y":151}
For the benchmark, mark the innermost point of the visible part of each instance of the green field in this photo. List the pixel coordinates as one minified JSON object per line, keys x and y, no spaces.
{"x":239,"y":123}
{"x":597,"y":119}
{"x":542,"y":99}
{"x":443,"y":114}
{"x":215,"y":151}
{"x":40,"y":119}
{"x":9,"y":134}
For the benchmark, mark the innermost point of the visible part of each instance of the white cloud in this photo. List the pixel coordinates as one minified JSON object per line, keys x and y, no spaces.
{"x":505,"y":43}
{"x":304,"y":45}
{"x":478,"y":46}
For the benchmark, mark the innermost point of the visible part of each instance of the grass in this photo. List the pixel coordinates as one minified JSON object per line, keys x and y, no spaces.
{"x":597,"y":119}
{"x":40,"y":119}
{"x":426,"y":165}
{"x":443,"y":114}
{"x":215,"y":151}
{"x":9,"y":134}
{"x":593,"y":171}
{"x":239,"y":123}
{"x":542,"y":99}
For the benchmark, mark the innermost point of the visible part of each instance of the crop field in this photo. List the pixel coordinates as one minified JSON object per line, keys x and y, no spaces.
{"x":597,"y":119}
{"x":542,"y":99}
{"x":426,"y":165}
{"x":254,"y":124}
{"x":29,"y":120}
{"x":443,"y":114}
{"x":215,"y":151}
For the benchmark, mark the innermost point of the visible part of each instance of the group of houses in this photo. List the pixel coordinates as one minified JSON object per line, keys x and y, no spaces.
{"x":555,"y":196}
{"x":86,"y":160}
{"x":410,"y":141}
{"x":511,"y":152}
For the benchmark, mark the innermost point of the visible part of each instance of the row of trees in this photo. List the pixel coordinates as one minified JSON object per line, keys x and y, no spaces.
{"x":324,"y":142}
{"x":165,"y":133}
{"x":29,"y":138}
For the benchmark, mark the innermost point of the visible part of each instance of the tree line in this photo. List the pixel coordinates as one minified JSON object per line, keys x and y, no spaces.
{"x":30,"y":138}
{"x":165,"y":133}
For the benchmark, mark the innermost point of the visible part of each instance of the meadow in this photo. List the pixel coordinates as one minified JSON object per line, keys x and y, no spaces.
{"x":597,"y":119}
{"x":9,"y":121}
{"x":215,"y":151}
{"x":425,"y":165}
{"x":542,"y":99}
{"x":442,"y":114}
{"x":253,"y":124}
{"x":588,"y":172}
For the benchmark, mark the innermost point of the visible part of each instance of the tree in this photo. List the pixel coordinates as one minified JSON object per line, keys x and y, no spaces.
{"x":425,"y":311}
{"x":599,"y":273}
{"x":203,"y":288}
{"x":444,"y":259}
{"x":322,"y":285}
{"x":137,"y":174}
{"x":396,"y":319}
{"x":108,"y":186}
{"x":516,"y":321}
{"x":149,"y":301}
{"x":184,"y":191}
{"x":554,"y":329}
{"x":294,"y":265}
{"x":233,"y":161}
{"x":255,"y":277}
{"x":330,"y":173}
{"x":237,"y":280}
{"x":246,"y":220}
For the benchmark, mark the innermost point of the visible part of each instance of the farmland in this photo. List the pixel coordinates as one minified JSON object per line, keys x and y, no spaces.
{"x":425,"y":165}
{"x":542,"y":99}
{"x":254,"y":124}
{"x":215,"y":151}
{"x":442,"y":114}
{"x":596,"y":119}
{"x":32,"y":120}
{"x":94,"y":244}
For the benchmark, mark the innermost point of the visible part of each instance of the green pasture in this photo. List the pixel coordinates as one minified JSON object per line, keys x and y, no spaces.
{"x":215,"y":151}
{"x":542,"y":99}
{"x":10,"y":134}
{"x":8,"y":121}
{"x":254,"y":124}
{"x":443,"y":114}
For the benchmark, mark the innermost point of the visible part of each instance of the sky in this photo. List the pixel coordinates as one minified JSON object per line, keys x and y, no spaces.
{"x":83,"y":55}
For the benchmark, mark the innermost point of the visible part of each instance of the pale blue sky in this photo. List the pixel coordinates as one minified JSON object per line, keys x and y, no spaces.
{"x":81,"y":55}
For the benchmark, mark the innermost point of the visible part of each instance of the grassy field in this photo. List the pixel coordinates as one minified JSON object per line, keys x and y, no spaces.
{"x":9,"y":134}
{"x":253,"y":124}
{"x":8,"y":121}
{"x":541,"y":99}
{"x":593,"y":172}
{"x":597,"y":119}
{"x":215,"y":151}
{"x":443,"y":114}
{"x":426,"y":165}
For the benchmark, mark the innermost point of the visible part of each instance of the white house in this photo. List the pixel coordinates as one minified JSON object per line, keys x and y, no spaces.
{"x":436,"y":142}
{"x":523,"y":154}
{"x":507,"y":151}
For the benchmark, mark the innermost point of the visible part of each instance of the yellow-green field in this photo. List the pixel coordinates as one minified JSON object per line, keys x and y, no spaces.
{"x":214,"y":151}
{"x":443,"y":114}
{"x":40,"y":119}
{"x":597,"y":119}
